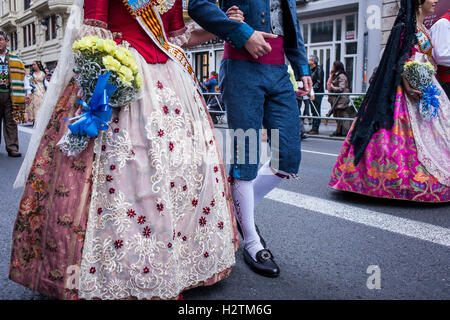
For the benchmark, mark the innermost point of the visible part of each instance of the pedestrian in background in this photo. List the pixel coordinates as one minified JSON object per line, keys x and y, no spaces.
{"x":338,"y":83}
{"x":317,"y":77}
{"x":38,"y":78}
{"x":12,"y":96}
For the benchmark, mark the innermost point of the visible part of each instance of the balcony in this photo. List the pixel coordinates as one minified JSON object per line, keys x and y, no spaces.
{"x":43,"y":7}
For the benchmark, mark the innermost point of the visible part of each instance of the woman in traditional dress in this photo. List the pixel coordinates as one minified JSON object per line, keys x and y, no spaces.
{"x":38,"y":77}
{"x":392,"y":151}
{"x":144,"y":212}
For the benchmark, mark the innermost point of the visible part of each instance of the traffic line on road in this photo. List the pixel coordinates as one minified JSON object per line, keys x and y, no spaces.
{"x":415,"y":229}
{"x":321,"y":153}
{"x":29,"y":130}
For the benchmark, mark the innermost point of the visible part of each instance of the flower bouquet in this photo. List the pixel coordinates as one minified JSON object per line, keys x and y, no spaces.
{"x":420,"y":77}
{"x":108,"y":77}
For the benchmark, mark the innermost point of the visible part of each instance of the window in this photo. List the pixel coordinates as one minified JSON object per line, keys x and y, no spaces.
{"x":12,"y":5}
{"x":202,"y":65}
{"x":26,"y":4}
{"x":322,"y":31}
{"x":29,"y":35}
{"x":13,"y":41}
{"x":52,"y":28}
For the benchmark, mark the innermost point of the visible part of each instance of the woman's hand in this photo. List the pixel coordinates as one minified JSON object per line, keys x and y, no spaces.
{"x":329,"y":84}
{"x":235,"y":14}
{"x":410,"y":92}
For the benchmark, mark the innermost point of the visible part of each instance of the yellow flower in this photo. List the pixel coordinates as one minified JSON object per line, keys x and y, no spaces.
{"x":138,"y":81}
{"x":126,"y":73}
{"x":124,"y":80}
{"x":107,"y":46}
{"x":111,"y":64}
{"x":82,"y":44}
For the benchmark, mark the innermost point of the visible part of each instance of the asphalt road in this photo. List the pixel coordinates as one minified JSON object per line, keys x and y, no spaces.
{"x":324,"y":241}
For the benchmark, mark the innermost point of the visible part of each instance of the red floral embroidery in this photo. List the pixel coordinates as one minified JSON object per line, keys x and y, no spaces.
{"x":230,"y":179}
{"x":118,"y":244}
{"x":109,"y":178}
{"x":206,"y":255}
{"x":202,"y":221}
{"x":160,"y":206}
{"x":169,"y":245}
{"x":184,"y":188}
{"x":116,"y":120}
{"x":216,"y":169}
{"x":100,"y":210}
{"x":177,"y":111}
{"x":195,"y":202}
{"x":217,"y":180}
{"x":184,"y":238}
{"x":141,"y":219}
{"x":166,"y":109}
{"x":171,"y":146}
{"x":103,"y":147}
{"x":223,"y":194}
{"x":92,"y":270}
{"x":211,"y":141}
{"x":161,"y":132}
{"x":131,"y":213}
{"x":220,"y":225}
{"x":172,"y":184}
{"x":146,"y":232}
{"x":213,"y":203}
{"x":159,"y":85}
{"x":179,"y":234}
{"x":206,"y":210}
{"x":132,"y":152}
{"x":146,"y":270}
{"x":116,"y":130}
{"x":112,"y":167}
{"x":112,"y":190}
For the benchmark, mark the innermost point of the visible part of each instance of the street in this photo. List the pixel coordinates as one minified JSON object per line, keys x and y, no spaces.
{"x":325,"y":242}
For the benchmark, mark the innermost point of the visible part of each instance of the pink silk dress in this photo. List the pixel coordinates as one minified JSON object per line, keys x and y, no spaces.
{"x":411,"y":161}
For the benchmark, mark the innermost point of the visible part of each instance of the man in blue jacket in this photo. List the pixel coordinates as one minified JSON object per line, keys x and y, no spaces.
{"x":257,"y":92}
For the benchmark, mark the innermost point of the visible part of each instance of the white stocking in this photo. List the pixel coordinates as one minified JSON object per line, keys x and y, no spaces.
{"x":242,"y":192}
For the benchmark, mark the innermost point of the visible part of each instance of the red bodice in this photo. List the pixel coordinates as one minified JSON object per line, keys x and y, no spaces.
{"x":116,"y":15}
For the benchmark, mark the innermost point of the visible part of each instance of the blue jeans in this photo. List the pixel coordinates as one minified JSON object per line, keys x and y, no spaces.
{"x":257,"y":95}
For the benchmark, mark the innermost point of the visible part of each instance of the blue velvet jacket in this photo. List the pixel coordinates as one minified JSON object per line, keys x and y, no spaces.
{"x":257,"y":17}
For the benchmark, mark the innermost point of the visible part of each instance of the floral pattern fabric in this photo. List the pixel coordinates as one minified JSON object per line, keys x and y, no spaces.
{"x":144,"y":213}
{"x":390,"y":167}
{"x":50,"y":226}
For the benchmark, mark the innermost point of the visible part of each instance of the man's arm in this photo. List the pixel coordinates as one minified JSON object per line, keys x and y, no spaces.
{"x":441,"y":46}
{"x":211,"y":18}
{"x":299,"y":60}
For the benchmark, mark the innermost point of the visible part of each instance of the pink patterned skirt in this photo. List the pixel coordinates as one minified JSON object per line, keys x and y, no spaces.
{"x":390,"y":167}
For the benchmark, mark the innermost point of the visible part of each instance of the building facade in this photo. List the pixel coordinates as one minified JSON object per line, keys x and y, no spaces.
{"x":35,"y":28}
{"x":333,"y":30}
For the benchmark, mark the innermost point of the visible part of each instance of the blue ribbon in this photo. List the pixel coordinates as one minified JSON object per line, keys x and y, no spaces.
{"x":429,"y":100}
{"x":96,"y":115}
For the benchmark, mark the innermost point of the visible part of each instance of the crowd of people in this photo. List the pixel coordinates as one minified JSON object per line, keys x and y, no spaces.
{"x":140,"y":211}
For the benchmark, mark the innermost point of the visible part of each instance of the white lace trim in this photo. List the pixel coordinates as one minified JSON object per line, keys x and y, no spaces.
{"x":184,"y":38}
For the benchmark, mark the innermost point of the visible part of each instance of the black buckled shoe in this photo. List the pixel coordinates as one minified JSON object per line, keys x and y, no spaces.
{"x":263,"y":242}
{"x":14,"y":154}
{"x":264,"y":265}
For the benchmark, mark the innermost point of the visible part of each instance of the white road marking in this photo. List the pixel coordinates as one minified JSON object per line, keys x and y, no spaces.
{"x":28,"y":130}
{"x":321,"y":153}
{"x":415,"y":229}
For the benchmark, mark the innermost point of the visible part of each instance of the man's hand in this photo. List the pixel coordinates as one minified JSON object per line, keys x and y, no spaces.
{"x":307,"y":84}
{"x":257,"y":46}
{"x":235,"y":14}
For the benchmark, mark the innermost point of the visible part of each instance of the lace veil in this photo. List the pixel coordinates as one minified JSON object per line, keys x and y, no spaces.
{"x":60,"y":79}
